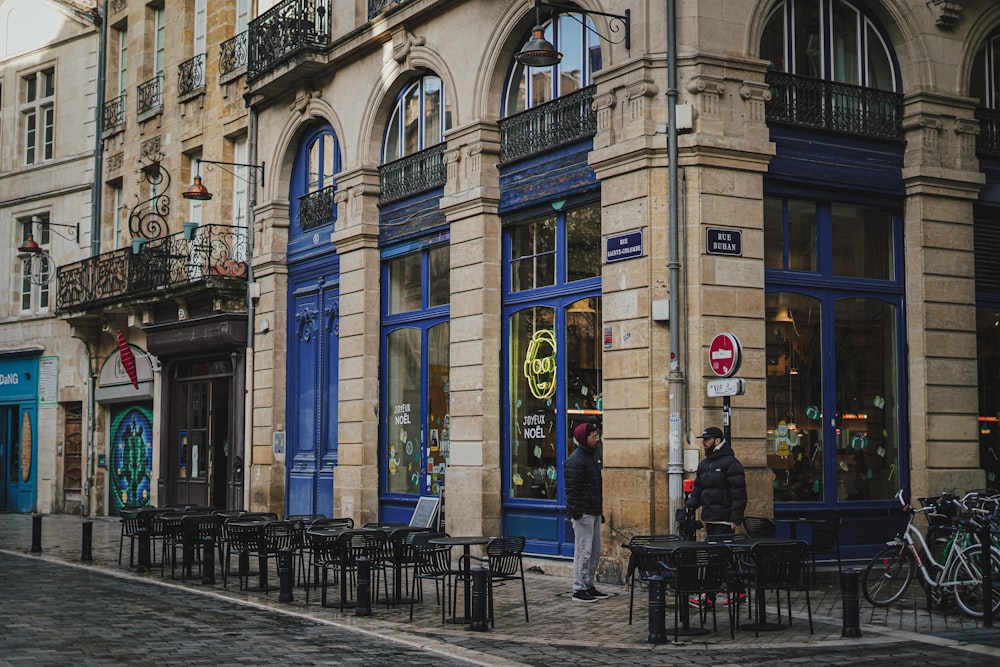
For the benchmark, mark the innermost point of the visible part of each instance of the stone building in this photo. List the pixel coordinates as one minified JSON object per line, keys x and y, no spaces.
{"x":48,"y":70}
{"x":458,"y":256}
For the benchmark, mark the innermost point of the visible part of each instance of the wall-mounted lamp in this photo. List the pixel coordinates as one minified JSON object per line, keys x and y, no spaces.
{"x":42,"y":268}
{"x":199,"y":192}
{"x":539,"y":52}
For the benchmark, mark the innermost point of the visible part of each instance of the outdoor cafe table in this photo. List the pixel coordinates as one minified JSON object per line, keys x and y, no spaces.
{"x":257,"y":537}
{"x":334,"y":533}
{"x":465,"y":542}
{"x":740,"y":548}
{"x":793,"y":523}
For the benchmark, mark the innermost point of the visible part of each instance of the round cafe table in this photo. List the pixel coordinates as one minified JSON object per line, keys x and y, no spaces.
{"x":465,"y":542}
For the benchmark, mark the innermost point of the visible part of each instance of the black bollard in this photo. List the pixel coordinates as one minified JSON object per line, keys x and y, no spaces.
{"x":851,"y":609}
{"x":480,"y":601}
{"x":36,"y":533}
{"x":364,"y":603}
{"x":143,"y":562}
{"x":88,"y":537}
{"x":285,"y":572}
{"x":657,"y":611}
{"x":986,"y":540}
{"x":208,"y":562}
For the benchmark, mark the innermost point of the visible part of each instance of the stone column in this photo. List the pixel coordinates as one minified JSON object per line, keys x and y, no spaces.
{"x":356,"y":485}
{"x":942,"y":181}
{"x":470,"y":202}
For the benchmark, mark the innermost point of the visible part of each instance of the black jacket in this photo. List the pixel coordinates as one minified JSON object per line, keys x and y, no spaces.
{"x":584,"y":488}
{"x":720,"y":488}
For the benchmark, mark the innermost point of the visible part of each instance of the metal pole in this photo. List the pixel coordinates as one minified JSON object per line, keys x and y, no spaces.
{"x":88,"y":536}
{"x":985,"y":539}
{"x":143,"y":563}
{"x":726,"y":428}
{"x":36,"y":534}
{"x":364,"y":603}
{"x":480,"y":601}
{"x":851,"y":610}
{"x":657,"y":611}
{"x":208,"y":561}
{"x":285,"y":575}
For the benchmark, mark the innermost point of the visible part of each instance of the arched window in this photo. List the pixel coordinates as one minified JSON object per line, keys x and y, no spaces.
{"x":313,"y":180}
{"x":828,"y":39}
{"x":419,"y":120}
{"x":581,"y":51}
{"x":985,"y":81}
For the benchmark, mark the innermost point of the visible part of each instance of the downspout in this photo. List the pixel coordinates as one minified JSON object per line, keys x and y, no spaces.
{"x":88,"y":478}
{"x":251,"y":312}
{"x":675,"y":463}
{"x":97,"y":190}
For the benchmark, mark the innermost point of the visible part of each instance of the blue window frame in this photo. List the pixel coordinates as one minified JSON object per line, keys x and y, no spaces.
{"x":415,"y":431}
{"x":419,"y":119}
{"x":835,"y":334}
{"x":313,"y":186}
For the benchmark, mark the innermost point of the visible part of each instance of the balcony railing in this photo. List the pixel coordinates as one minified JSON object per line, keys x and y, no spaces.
{"x":150,"y":95}
{"x":114,"y":113}
{"x":563,"y":120}
{"x":215,"y":251}
{"x":233,"y":54}
{"x":289,"y":28}
{"x":191,"y":75}
{"x":376,"y":7}
{"x":988,"y":141}
{"x":316,"y":208}
{"x":412,"y":174}
{"x":830,"y":105}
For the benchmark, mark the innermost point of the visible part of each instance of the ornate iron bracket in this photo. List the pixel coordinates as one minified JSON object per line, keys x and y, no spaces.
{"x":148,"y":218}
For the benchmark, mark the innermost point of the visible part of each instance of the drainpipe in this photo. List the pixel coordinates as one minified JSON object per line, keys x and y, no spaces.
{"x":96,"y":189}
{"x":675,"y":463}
{"x":251,"y":313}
{"x":88,"y":477}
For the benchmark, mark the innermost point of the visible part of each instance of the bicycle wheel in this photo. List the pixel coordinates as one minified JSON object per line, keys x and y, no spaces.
{"x":967,"y":570}
{"x":888,"y":575}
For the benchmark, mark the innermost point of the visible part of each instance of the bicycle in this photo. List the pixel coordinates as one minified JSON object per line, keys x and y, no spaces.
{"x":890,"y":572}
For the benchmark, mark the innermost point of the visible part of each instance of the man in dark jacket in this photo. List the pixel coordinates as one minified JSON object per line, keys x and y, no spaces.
{"x":584,"y":505}
{"x":720,"y":487}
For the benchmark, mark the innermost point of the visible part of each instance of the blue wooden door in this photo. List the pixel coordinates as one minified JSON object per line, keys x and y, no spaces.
{"x":312,"y":398}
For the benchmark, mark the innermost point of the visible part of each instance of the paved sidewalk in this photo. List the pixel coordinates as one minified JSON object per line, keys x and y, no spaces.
{"x":558,"y":627}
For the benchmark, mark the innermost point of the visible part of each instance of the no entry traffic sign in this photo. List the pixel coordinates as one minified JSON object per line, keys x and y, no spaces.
{"x":725,"y":354}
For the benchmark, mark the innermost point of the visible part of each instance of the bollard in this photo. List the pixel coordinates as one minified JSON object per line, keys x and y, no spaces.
{"x":480,"y":601}
{"x":88,"y":537}
{"x":986,"y":539}
{"x":143,"y":562}
{"x":285,"y":571}
{"x":208,"y":562}
{"x":657,"y":611}
{"x":36,"y":533}
{"x":364,"y":603}
{"x":851,"y":609}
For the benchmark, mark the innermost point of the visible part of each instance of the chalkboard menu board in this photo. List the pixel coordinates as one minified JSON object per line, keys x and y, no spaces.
{"x":425,"y":515}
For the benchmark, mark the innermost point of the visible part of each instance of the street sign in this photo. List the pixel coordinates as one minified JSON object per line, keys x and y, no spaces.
{"x":724,"y":242}
{"x":623,"y":246}
{"x":725,"y":354}
{"x":726,"y":387}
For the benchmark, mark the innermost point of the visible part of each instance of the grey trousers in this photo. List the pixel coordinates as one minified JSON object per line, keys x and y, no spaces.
{"x":587,"y":551}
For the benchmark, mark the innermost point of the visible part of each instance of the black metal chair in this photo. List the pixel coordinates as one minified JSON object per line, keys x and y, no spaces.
{"x":759,"y":527}
{"x":350,"y":545}
{"x":433,"y":563}
{"x":312,"y":545}
{"x":825,"y":540}
{"x":704,"y":572}
{"x":279,"y":536}
{"x":504,"y":562}
{"x":782,"y":566}
{"x":130,"y":529}
{"x":643,"y":563}
{"x":194,"y":530}
{"x":243,"y":540}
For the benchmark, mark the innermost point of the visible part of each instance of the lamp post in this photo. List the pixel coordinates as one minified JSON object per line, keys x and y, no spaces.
{"x":539,"y":52}
{"x":42,"y":266}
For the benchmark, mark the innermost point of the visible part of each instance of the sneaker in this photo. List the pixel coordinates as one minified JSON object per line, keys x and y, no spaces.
{"x":594,"y":593}
{"x":732,"y":598}
{"x":700,"y":601}
{"x":583,"y":596}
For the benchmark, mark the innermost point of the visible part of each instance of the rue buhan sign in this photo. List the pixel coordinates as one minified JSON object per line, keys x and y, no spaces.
{"x":724,"y":242}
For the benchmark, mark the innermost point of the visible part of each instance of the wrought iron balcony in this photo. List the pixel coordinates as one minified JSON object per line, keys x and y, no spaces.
{"x":376,"y":7}
{"x":191,"y":75}
{"x":114,"y":113}
{"x":412,"y":174}
{"x":988,"y":141}
{"x":830,"y":105}
{"x":317,"y":208}
{"x":233,"y":54}
{"x":286,"y":30}
{"x":560,"y":121}
{"x":162,"y":266}
{"x":150,"y":95}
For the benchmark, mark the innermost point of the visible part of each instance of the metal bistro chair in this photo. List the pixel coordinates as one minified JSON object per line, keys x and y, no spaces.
{"x":504,"y":563}
{"x":782,"y":566}
{"x":759,"y":527}
{"x":703,"y":571}
{"x":433,"y":562}
{"x":130,"y":524}
{"x":278,"y":536}
{"x":826,"y":540}
{"x":351,"y":545}
{"x":243,"y":540}
{"x":643,"y":563}
{"x":312,"y":545}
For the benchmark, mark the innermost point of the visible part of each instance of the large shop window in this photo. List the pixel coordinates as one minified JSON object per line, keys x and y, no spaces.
{"x":416,"y":405}
{"x":554,"y":367}
{"x":834,"y":309}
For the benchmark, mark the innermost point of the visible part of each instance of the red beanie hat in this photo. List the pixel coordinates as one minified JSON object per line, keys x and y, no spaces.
{"x":581,"y":432}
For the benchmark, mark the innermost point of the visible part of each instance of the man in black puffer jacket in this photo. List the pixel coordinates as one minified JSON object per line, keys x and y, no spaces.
{"x":585,"y":505}
{"x":720,"y":487}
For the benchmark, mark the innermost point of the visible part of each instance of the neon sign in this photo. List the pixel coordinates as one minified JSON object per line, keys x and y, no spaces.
{"x":540,"y":364}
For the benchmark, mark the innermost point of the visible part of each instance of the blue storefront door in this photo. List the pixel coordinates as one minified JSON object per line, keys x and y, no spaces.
{"x":18,"y":434}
